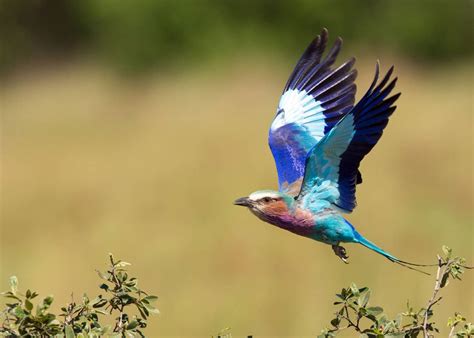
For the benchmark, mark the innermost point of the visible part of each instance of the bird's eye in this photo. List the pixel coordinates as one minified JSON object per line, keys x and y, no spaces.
{"x":267,"y":199}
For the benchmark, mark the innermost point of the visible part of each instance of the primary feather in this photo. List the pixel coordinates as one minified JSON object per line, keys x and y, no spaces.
{"x":336,"y":157}
{"x":314,"y":99}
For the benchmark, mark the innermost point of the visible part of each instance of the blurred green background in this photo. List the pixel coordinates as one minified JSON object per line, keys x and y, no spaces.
{"x":131,"y":126}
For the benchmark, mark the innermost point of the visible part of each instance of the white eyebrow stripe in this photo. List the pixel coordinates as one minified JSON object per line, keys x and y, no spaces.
{"x":262,"y":194}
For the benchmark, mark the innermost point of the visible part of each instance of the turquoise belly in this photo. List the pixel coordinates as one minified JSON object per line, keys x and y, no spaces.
{"x":332,"y":229}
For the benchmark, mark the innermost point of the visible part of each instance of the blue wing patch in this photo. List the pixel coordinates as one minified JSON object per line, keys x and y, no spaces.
{"x":337,"y":156}
{"x":314,"y":99}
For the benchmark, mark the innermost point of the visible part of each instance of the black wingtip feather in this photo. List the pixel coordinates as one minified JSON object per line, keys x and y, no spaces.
{"x":385,"y":79}
{"x":371,"y":116}
{"x":336,"y":95}
{"x":376,"y":78}
{"x":324,"y":32}
{"x":333,"y":52}
{"x":380,"y":92}
{"x":313,"y":80}
{"x":310,"y":58}
{"x":333,"y":87}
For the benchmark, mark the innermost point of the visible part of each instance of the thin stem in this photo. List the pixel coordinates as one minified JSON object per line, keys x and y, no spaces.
{"x":442,"y":270}
{"x":451,"y":332}
{"x":121,"y":311}
{"x":351,"y":323}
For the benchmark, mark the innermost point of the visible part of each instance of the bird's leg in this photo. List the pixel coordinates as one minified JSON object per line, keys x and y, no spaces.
{"x":341,"y":253}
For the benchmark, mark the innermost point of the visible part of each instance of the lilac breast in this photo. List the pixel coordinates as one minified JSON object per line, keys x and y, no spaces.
{"x":300,"y":222}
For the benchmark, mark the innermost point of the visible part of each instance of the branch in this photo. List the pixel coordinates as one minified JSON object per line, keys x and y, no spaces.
{"x":443,"y":268}
{"x":451,"y":332}
{"x":351,"y":323}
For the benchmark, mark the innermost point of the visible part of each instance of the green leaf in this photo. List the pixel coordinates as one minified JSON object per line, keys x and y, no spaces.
{"x":335,"y":322}
{"x":372,"y":318}
{"x":444,"y":280}
{"x":398,"y":320}
{"x":132,"y":325}
{"x":447,"y":251}
{"x":19,"y":312}
{"x":69,"y":331}
{"x":354,"y":289}
{"x":151,"y":309}
{"x":47,"y":302}
{"x":383,"y":319}
{"x":100,"y":303}
{"x":149,"y":299}
{"x":14,"y":284}
{"x":103,"y":275}
{"x":374,"y":310}
{"x":48,"y":318}
{"x":364,"y":299}
{"x":143,"y":312}
{"x":104,"y":286}
{"x":122,"y":264}
{"x":362,"y":312}
{"x":28,"y":305}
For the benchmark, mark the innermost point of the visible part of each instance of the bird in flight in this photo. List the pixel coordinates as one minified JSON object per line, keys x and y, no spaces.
{"x":318,"y":139}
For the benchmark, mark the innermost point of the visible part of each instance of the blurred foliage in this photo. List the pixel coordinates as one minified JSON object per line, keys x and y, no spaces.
{"x":137,"y":35}
{"x":355,"y":310}
{"x":84,"y":319}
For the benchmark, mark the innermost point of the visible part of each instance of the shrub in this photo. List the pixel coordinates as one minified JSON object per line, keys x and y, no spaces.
{"x":120,"y":294}
{"x":354,"y":310}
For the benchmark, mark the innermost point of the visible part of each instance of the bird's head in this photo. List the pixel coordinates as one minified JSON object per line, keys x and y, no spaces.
{"x":267,"y":203}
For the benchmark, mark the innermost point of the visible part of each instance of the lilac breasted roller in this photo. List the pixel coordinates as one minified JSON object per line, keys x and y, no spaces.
{"x":318,"y":139}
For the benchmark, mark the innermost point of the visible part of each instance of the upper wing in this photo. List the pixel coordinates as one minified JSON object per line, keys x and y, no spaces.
{"x":337,"y":156}
{"x":313,"y":101}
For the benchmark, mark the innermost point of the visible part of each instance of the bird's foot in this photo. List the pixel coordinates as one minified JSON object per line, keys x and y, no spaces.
{"x":341,"y":253}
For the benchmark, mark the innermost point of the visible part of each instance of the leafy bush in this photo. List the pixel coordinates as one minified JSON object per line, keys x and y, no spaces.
{"x":370,"y":321}
{"x":122,"y":295}
{"x":84,"y":319}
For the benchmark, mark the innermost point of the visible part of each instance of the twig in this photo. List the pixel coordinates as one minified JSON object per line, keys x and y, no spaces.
{"x":442,"y":269}
{"x":451,"y":332}
{"x":351,"y":323}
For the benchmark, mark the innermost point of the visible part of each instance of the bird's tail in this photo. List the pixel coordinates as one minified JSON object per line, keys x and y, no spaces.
{"x":368,"y":244}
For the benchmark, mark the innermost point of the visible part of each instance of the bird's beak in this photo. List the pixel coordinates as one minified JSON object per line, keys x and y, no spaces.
{"x":243,"y":201}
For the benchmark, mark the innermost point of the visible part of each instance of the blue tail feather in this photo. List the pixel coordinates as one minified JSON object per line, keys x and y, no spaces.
{"x":368,"y":244}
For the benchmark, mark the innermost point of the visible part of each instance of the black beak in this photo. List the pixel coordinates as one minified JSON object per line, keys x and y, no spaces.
{"x":243,"y":201}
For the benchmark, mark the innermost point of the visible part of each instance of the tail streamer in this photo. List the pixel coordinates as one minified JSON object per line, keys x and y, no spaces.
{"x":361,"y":240}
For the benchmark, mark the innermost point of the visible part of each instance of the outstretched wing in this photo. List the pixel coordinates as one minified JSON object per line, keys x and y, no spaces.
{"x":332,"y":165}
{"x":313,"y":101}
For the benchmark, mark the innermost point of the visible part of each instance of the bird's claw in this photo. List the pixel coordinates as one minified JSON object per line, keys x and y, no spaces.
{"x":341,"y":253}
